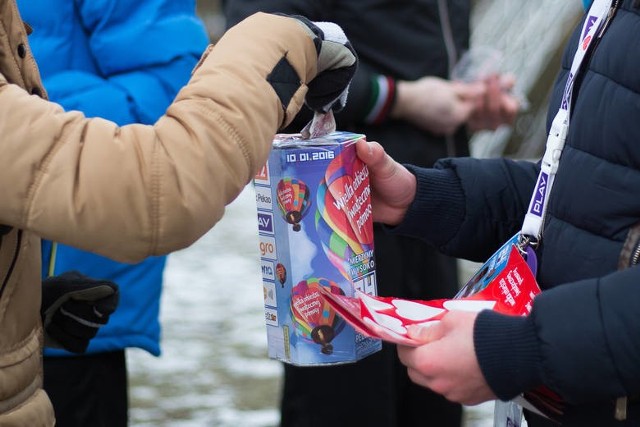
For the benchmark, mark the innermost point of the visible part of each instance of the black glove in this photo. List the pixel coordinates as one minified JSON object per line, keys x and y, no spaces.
{"x":73,"y":308}
{"x":337,"y":63}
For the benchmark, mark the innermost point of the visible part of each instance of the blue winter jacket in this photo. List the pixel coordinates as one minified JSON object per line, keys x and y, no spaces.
{"x":124,"y":61}
{"x":582,"y":338}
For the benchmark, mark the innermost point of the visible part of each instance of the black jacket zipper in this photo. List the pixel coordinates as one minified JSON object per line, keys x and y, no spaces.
{"x":635,"y":255}
{"x":610,"y":15}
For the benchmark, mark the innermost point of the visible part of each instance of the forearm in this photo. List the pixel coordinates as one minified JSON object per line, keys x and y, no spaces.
{"x":577,"y":341}
{"x":170,"y":182}
{"x":468,"y":207}
{"x":438,"y":209}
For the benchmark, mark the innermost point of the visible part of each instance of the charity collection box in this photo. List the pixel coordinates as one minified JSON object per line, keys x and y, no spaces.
{"x":315,"y":234}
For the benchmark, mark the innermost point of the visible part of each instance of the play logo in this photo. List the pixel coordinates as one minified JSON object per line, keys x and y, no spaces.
{"x":265,"y":222}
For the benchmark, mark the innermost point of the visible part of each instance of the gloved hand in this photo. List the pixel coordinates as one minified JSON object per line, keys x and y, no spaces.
{"x":73,"y":309}
{"x":337,"y":63}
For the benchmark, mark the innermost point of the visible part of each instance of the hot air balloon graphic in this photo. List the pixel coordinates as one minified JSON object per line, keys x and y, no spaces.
{"x":293,"y":200}
{"x":313,"y":316}
{"x":281,"y":273}
{"x":341,"y":215}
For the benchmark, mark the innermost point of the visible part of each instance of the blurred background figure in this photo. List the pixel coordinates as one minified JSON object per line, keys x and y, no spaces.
{"x":123,"y":61}
{"x":402,"y":97}
{"x":211,"y":338}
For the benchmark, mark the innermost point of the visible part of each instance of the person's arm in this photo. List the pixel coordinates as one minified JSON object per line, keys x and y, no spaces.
{"x":580,"y":340}
{"x":432,"y":104}
{"x":371,"y":95}
{"x":464,"y":203}
{"x":321,"y":10}
{"x":141,"y":190}
{"x":143,"y":52}
{"x":458,"y":206}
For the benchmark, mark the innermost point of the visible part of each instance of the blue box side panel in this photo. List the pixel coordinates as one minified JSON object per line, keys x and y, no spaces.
{"x":302,"y":329}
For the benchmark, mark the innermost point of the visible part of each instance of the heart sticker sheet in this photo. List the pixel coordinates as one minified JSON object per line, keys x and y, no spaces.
{"x":504,"y":283}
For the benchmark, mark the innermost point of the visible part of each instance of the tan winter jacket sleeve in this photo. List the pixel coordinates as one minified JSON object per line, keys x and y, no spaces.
{"x":133,"y":191}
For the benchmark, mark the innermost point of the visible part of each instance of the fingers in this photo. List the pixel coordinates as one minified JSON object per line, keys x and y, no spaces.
{"x":511,"y":103}
{"x":84,"y":315}
{"x":469,"y":91}
{"x":93,"y":293}
{"x":447,"y":363}
{"x":468,"y":97}
{"x":73,"y":326}
{"x":408,"y":355}
{"x":493,"y":101}
{"x":376,"y":159}
{"x":463,"y":112}
{"x":74,"y":307}
{"x":497,"y":107}
{"x":510,"y":107}
{"x":104,"y":307}
{"x":337,"y":63}
{"x":507,"y":82}
{"x":419,"y":378}
{"x":365,"y":151}
{"x":426,"y":333}
{"x":393,"y":187}
{"x":412,"y":356}
{"x":422,"y":365}
{"x":58,"y":336}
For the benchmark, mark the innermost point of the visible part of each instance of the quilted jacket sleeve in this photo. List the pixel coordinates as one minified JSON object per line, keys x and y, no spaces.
{"x":596,"y":317}
{"x":465,"y":206}
{"x":469,"y":207}
{"x":142,"y":50}
{"x":141,"y":190}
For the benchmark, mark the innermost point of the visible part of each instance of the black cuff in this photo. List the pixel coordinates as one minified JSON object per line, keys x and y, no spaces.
{"x":438,"y":208}
{"x":508,"y":353}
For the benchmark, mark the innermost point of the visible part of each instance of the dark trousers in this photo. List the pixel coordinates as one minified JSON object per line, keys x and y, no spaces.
{"x":376,"y":391}
{"x":89,"y":390}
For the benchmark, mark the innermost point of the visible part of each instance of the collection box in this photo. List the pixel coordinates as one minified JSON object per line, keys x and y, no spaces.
{"x":316,"y":233}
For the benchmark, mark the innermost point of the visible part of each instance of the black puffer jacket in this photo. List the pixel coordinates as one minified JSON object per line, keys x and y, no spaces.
{"x":418,"y":27}
{"x":582,"y":338}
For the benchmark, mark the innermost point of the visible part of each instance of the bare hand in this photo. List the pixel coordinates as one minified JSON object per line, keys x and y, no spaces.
{"x":437,"y":105}
{"x":393,"y":187}
{"x":447,"y":362}
{"x":497,"y":107}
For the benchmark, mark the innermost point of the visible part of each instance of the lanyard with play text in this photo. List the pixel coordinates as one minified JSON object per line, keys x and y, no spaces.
{"x":509,"y":414}
{"x":597,"y":18}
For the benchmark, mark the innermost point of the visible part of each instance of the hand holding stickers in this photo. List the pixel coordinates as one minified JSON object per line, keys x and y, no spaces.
{"x":504,"y":283}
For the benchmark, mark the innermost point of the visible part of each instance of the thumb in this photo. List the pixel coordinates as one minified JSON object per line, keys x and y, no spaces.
{"x":374,"y":156}
{"x":94,"y":293}
{"x":507,"y":82}
{"x":426,"y":332}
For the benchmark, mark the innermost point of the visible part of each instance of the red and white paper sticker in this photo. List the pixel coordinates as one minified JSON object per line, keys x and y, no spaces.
{"x":504,"y":283}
